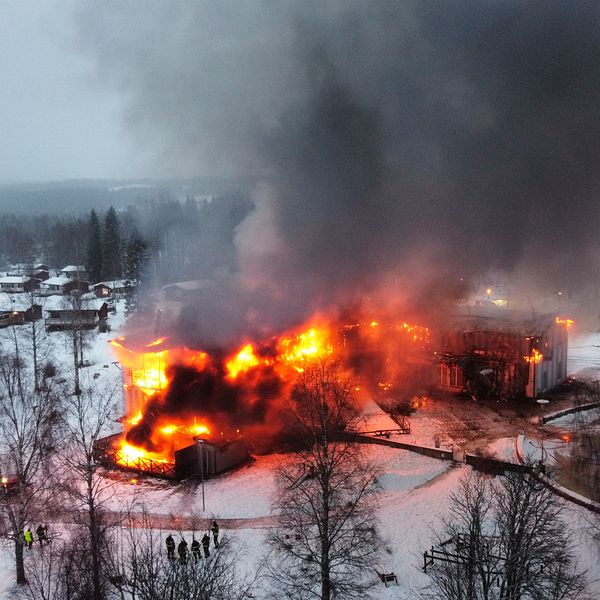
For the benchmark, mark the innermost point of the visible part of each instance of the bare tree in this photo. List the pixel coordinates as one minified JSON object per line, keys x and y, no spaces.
{"x":89,"y":416}
{"x":579,"y":468}
{"x":327,"y":542}
{"x":505,"y":540}
{"x":28,"y":421}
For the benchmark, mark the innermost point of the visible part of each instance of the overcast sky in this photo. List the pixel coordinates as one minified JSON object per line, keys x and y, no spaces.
{"x":55,"y":121}
{"x":395,"y":140}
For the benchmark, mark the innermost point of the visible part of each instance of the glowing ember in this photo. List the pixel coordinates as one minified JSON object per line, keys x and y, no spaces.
{"x":418,"y":334}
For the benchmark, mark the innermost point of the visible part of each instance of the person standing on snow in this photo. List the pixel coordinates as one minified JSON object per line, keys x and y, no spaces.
{"x":206,"y":545}
{"x":42,"y":535}
{"x":215,"y":531}
{"x":196,"y":549}
{"x":182,"y":551}
{"x":170,"y":542}
{"x":28,"y":538}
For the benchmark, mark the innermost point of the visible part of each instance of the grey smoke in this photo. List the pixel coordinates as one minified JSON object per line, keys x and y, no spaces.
{"x":399,"y":146}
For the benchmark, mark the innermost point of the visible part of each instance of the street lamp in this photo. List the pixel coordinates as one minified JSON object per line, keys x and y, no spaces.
{"x":201,"y":452}
{"x":542,"y":402}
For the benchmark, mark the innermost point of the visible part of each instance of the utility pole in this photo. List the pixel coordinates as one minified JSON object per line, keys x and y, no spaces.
{"x":201,"y":453}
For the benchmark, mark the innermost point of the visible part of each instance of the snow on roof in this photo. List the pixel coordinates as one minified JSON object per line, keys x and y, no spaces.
{"x":73,"y":268}
{"x":14,"y":279}
{"x":65,"y":303}
{"x":56,"y":281}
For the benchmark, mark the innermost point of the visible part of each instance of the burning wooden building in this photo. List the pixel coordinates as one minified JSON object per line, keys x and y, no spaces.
{"x":502,"y":354}
{"x":190,"y":412}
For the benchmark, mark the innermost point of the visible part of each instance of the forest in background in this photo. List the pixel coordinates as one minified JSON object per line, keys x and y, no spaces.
{"x":184,"y":236}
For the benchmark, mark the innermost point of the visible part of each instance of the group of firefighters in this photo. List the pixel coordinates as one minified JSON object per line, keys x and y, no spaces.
{"x":42,"y":536}
{"x":182,"y":548}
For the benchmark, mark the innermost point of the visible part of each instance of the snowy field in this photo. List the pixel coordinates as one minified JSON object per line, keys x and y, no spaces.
{"x":413,"y":499}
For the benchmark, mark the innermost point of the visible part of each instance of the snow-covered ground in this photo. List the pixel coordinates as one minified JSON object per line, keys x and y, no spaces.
{"x":414,"y":488}
{"x":584,"y":354}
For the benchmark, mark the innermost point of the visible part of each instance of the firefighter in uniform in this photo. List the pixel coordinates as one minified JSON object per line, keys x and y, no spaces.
{"x":182,"y":551}
{"x":28,"y":538}
{"x":42,"y":535}
{"x":195,"y":549}
{"x":215,"y":531}
{"x":206,"y":545}
{"x":170,"y":542}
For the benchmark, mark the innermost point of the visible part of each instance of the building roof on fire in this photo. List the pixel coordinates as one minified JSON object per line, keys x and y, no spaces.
{"x":497,"y":319}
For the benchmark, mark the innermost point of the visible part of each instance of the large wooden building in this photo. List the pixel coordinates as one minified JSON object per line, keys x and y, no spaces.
{"x":502,"y":354}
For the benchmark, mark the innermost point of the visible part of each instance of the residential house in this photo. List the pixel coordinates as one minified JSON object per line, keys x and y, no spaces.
{"x":74,"y":313}
{"x":18,"y":283}
{"x":75,"y":272}
{"x":118,"y":288}
{"x":37,"y":271}
{"x":16,"y":310}
{"x":62,"y":286}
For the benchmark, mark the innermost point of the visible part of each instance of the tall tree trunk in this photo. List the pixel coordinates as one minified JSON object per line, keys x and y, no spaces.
{"x":94,"y":539}
{"x":77,"y":390}
{"x":325,"y":535}
{"x":19,"y":563}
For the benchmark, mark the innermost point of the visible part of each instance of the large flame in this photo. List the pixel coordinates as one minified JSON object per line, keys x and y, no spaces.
{"x":264,"y":369}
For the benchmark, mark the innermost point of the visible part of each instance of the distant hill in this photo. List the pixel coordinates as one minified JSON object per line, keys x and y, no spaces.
{"x":79,"y":196}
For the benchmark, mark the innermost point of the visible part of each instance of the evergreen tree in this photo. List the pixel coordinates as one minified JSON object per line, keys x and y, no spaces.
{"x":111,"y":246}
{"x":135,"y":257}
{"x":94,"y":248}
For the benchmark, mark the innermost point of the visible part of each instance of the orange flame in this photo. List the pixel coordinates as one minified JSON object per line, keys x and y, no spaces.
{"x":147,"y":372}
{"x":308,"y":345}
{"x":244,"y":360}
{"x":535,"y":357}
{"x":566,"y":322}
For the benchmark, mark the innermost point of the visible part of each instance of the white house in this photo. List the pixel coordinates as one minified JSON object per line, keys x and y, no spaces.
{"x":75,"y":272}
{"x":17,"y":283}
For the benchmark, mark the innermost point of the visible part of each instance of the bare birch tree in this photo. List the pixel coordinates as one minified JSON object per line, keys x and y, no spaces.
{"x":327,"y":543}
{"x":89,"y":416}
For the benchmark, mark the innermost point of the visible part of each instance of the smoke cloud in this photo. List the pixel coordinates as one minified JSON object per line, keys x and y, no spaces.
{"x":400,"y":147}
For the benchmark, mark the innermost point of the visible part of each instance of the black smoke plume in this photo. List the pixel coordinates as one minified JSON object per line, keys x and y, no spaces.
{"x":399,"y":147}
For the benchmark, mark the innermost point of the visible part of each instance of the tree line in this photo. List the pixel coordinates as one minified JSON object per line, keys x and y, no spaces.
{"x":179,"y":239}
